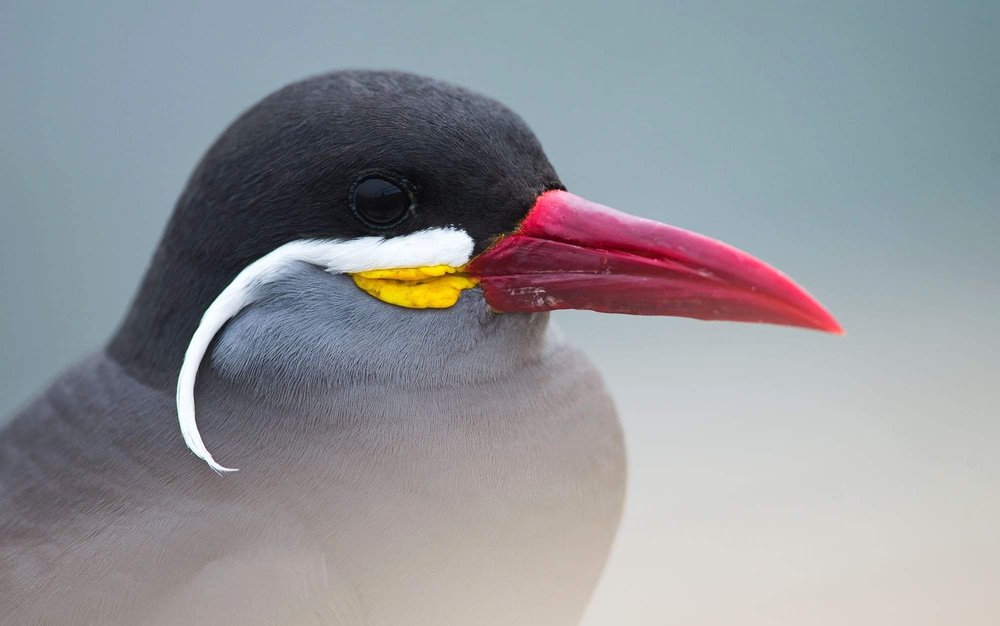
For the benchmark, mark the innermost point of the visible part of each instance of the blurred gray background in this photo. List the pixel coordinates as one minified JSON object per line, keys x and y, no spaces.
{"x":777,"y":476}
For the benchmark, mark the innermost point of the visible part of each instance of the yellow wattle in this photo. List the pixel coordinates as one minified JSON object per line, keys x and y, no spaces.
{"x":432,"y":287}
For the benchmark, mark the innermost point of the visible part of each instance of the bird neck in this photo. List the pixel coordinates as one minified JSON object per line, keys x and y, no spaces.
{"x":182,"y":280}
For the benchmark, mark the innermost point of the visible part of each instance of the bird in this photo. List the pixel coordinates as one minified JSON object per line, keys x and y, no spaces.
{"x":350,"y":306}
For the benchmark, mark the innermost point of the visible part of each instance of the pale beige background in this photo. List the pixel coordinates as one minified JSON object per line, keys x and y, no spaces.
{"x":777,"y":476}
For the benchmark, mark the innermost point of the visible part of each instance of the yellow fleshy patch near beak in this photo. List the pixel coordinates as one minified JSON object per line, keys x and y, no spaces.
{"x":432,"y":287}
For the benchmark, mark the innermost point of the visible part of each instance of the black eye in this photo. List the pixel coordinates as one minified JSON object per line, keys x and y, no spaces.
{"x":381,"y":203}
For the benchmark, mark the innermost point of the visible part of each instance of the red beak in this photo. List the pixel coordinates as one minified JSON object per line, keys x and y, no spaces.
{"x":570,"y":253}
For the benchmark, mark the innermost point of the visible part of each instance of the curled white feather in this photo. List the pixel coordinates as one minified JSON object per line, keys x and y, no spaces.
{"x":436,"y":246}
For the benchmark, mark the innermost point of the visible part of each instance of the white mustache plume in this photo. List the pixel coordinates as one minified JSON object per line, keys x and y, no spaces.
{"x":436,"y":246}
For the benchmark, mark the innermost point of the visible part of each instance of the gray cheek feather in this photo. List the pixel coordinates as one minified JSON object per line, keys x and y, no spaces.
{"x":312,"y":331}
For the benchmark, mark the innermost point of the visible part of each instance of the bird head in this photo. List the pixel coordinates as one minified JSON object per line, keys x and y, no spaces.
{"x":419,"y":191}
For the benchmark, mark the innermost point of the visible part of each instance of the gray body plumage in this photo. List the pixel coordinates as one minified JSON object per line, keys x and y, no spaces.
{"x":397,"y":467}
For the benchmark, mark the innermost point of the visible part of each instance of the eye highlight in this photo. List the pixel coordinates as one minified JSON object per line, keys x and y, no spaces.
{"x":382,"y":202}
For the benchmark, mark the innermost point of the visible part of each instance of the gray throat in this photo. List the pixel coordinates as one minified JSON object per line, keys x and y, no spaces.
{"x":313,"y":332}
